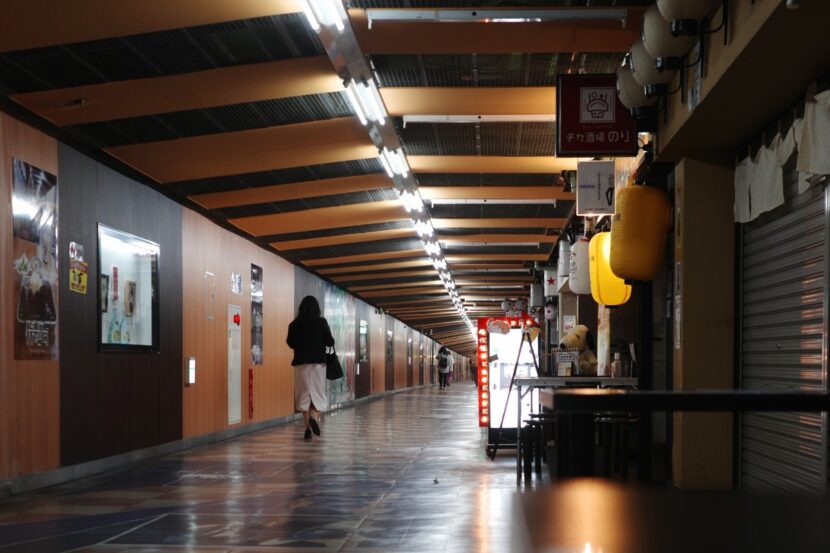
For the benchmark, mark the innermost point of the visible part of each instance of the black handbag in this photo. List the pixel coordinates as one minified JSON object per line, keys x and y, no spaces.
{"x":333,"y":368}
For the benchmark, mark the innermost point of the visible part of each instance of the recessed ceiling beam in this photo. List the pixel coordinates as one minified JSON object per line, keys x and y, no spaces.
{"x":26,"y":24}
{"x":321,"y":218}
{"x":377,"y":267}
{"x":383,"y":276}
{"x":395,"y":285}
{"x":203,"y":89}
{"x":540,"y":193}
{"x":292,"y":191}
{"x":496,"y":238}
{"x":341,"y":239}
{"x":455,"y":258}
{"x":386,"y":304}
{"x":489,"y":223}
{"x":470,"y":101}
{"x":404,"y":292}
{"x":490,"y":164}
{"x":407,"y":37}
{"x":377,"y":256}
{"x":232,"y":153}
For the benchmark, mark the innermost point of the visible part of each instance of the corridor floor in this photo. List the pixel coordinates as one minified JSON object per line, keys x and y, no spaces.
{"x":406,"y":473}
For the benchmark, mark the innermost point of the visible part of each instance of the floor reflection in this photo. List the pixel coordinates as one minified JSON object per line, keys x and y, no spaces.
{"x":406,"y":473}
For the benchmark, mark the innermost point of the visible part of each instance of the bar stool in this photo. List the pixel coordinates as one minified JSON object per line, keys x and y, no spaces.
{"x":612,"y":430}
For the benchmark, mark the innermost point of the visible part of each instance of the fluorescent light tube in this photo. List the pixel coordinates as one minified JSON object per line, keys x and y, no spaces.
{"x":358,"y":109}
{"x":309,"y":14}
{"x":386,"y":165}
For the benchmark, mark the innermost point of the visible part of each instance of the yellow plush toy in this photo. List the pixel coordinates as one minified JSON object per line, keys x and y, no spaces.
{"x":580,"y":338}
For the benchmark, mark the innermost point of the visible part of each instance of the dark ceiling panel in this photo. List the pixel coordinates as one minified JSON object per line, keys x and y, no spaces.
{"x":162,"y":53}
{"x":472,"y":232}
{"x":331,"y":200}
{"x":488,"y":69}
{"x":237,"y":117}
{"x":389,"y":225}
{"x":356,"y":249}
{"x":488,"y":139}
{"x":452,"y":211}
{"x":486,"y":179}
{"x":281,"y":176}
{"x":530,"y":250}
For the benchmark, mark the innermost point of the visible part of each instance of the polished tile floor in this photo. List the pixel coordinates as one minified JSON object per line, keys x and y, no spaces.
{"x":406,"y":473}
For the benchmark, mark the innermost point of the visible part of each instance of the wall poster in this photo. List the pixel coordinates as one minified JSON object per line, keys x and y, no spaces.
{"x":256,"y":314}
{"x":35,"y":281}
{"x":128,"y":292}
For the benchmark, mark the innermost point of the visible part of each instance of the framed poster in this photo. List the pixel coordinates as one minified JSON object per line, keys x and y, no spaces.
{"x":35,"y":267}
{"x":128,"y":292}
{"x":256,"y":315}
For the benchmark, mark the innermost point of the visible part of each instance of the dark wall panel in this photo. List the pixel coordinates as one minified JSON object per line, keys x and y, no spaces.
{"x":116,"y":402}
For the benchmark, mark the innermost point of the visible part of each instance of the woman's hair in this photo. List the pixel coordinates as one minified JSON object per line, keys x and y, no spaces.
{"x":443,"y":350}
{"x":309,"y":309}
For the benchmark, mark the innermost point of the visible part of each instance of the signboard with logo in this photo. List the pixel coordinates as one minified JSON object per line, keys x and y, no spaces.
{"x":590,"y":120}
{"x":595,"y":188}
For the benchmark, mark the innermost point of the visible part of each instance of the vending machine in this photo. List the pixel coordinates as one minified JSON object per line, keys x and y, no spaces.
{"x":508,"y":348}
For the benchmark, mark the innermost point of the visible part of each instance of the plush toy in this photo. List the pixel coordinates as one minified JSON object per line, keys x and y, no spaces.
{"x":580,"y":338}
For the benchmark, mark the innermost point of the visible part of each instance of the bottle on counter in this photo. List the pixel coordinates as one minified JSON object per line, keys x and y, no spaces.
{"x":616,"y":366}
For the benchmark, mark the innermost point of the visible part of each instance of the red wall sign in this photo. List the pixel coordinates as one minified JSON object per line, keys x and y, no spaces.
{"x":590,"y":120}
{"x":250,"y":392}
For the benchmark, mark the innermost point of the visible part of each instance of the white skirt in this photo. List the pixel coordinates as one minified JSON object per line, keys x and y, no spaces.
{"x":310,"y":387}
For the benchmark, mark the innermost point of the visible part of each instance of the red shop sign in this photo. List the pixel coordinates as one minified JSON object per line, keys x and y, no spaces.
{"x":590,"y":120}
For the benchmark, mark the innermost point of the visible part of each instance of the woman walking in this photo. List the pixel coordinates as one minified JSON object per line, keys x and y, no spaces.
{"x":308,"y":336}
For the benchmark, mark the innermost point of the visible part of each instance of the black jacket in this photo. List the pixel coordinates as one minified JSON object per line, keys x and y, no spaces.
{"x":309,"y":339}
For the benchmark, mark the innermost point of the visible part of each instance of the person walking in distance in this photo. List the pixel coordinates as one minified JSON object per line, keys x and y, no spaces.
{"x":308,"y":336}
{"x":444,"y":367}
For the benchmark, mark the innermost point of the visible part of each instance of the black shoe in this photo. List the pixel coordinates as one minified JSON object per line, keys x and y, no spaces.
{"x":307,"y":435}
{"x":314,"y":426}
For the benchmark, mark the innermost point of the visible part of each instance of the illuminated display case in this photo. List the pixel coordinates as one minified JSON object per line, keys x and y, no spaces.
{"x":501,"y":350}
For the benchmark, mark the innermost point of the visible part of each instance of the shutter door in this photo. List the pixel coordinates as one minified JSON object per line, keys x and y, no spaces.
{"x":782,"y":341}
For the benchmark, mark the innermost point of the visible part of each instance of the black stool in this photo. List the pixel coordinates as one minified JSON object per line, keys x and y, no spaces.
{"x":612,"y":431}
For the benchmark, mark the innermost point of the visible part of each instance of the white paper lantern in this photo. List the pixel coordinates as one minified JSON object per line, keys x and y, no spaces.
{"x":563,"y":264}
{"x":579,"y":278}
{"x":644,"y":68}
{"x":520,"y":305}
{"x":659,"y":41}
{"x":550,"y":311}
{"x":672,"y":10}
{"x":507,"y":305}
{"x":629,"y":91}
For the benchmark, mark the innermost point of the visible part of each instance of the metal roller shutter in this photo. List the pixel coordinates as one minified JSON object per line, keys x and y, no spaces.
{"x":782,"y":341}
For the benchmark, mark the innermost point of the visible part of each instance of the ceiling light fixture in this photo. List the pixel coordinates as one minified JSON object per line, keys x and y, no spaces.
{"x":309,"y":14}
{"x":494,"y":15}
{"x":327,"y":13}
{"x":351,"y":94}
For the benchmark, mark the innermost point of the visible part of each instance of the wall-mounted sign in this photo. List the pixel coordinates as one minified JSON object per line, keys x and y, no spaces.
{"x":234,"y":364}
{"x":551,"y":285}
{"x":77,"y":276}
{"x":595,"y":188}
{"x":590,"y":120}
{"x":236,"y":283}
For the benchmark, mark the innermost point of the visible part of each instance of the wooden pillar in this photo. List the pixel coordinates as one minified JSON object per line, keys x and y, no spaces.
{"x":703,"y":319}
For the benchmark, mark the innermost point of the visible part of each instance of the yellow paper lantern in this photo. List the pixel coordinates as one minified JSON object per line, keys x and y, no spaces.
{"x":638,"y":232}
{"x":606,"y":287}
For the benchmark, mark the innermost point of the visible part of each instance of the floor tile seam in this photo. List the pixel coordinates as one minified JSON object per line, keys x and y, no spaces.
{"x":24,"y":542}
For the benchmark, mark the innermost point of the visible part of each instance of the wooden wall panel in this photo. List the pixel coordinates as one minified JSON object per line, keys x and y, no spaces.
{"x":377,"y":351}
{"x":207,"y":247}
{"x":29,"y":390}
{"x":111,"y":403}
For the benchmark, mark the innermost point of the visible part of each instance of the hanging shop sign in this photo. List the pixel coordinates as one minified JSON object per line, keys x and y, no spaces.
{"x":35,"y":280}
{"x":590,"y":119}
{"x":595,"y":188}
